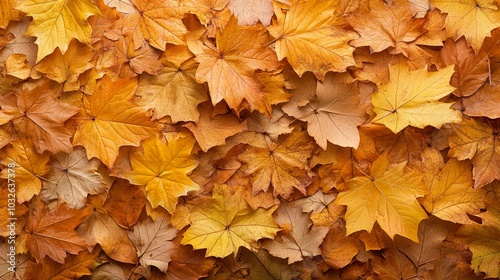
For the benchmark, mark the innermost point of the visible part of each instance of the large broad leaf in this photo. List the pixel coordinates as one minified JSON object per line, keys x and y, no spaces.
{"x":225,"y":222}
{"x":310,"y":37}
{"x":387,"y":197}
{"x":68,"y":67}
{"x":29,"y":168}
{"x":73,"y":267}
{"x":470,"y":18}
{"x":162,"y":168}
{"x":229,"y":68}
{"x":282,"y":165}
{"x":412,"y":98}
{"x":452,"y":197}
{"x":111,"y":120}
{"x":174,"y":91}
{"x":51,"y":232}
{"x":478,"y":141}
{"x":153,"y":241}
{"x":72,"y":178}
{"x":38,"y":116}
{"x":212,"y":130}
{"x":484,"y":239}
{"x":101,"y":228}
{"x":331,"y":109}
{"x":300,"y":238}
{"x":57,"y":22}
{"x":157,"y":21}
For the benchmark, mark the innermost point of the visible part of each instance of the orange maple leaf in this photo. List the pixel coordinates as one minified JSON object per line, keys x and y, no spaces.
{"x":111,"y":120}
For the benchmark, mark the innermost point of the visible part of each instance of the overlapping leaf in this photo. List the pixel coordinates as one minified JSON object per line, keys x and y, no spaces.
{"x":225,"y":222}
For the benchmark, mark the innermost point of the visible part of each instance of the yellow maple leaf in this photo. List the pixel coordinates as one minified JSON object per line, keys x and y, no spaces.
{"x":111,"y":120}
{"x":388,"y":197}
{"x":412,"y":98}
{"x":162,"y":169}
{"x":157,"y":21}
{"x":309,"y":37}
{"x":484,"y":239}
{"x":474,"y":19}
{"x":173,"y":91}
{"x":225,"y":222}
{"x":452,"y":197}
{"x":57,"y":22}
{"x":29,"y":168}
{"x":478,"y":141}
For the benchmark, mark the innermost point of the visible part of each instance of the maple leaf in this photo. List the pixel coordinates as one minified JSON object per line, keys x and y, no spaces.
{"x":211,"y":131}
{"x":470,"y":18}
{"x":229,"y":67}
{"x":300,"y":239}
{"x":323,"y":212}
{"x":29,"y":168}
{"x":51,"y":232}
{"x":68,"y":67}
{"x":174,"y":90}
{"x":157,"y":21}
{"x":283,"y":164}
{"x":393,"y":265}
{"x":484,"y":241}
{"x":40,"y":117}
{"x":141,"y":59}
{"x":412,"y":98}
{"x":125,"y":203}
{"x":338,"y":249}
{"x":376,"y":28}
{"x":470,"y":70}
{"x":484,"y":103}
{"x":262,"y":130}
{"x":225,"y":222}
{"x":162,"y":168}
{"x":477,"y":141}
{"x":451,"y":197}
{"x":71,"y":178}
{"x":406,"y":145}
{"x":431,"y":232}
{"x":249,"y":13}
{"x":111,"y":120}
{"x":57,"y":22}
{"x":153,"y":241}
{"x":331,"y":109}
{"x":73,"y":267}
{"x":311,"y":39}
{"x":99,"y":227}
{"x":187,"y":264}
{"x":389,"y":198}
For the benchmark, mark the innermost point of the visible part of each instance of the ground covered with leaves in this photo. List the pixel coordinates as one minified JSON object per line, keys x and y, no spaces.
{"x":237,"y":139}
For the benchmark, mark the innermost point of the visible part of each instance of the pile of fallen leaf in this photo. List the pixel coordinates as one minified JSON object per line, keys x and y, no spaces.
{"x":237,"y":139}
